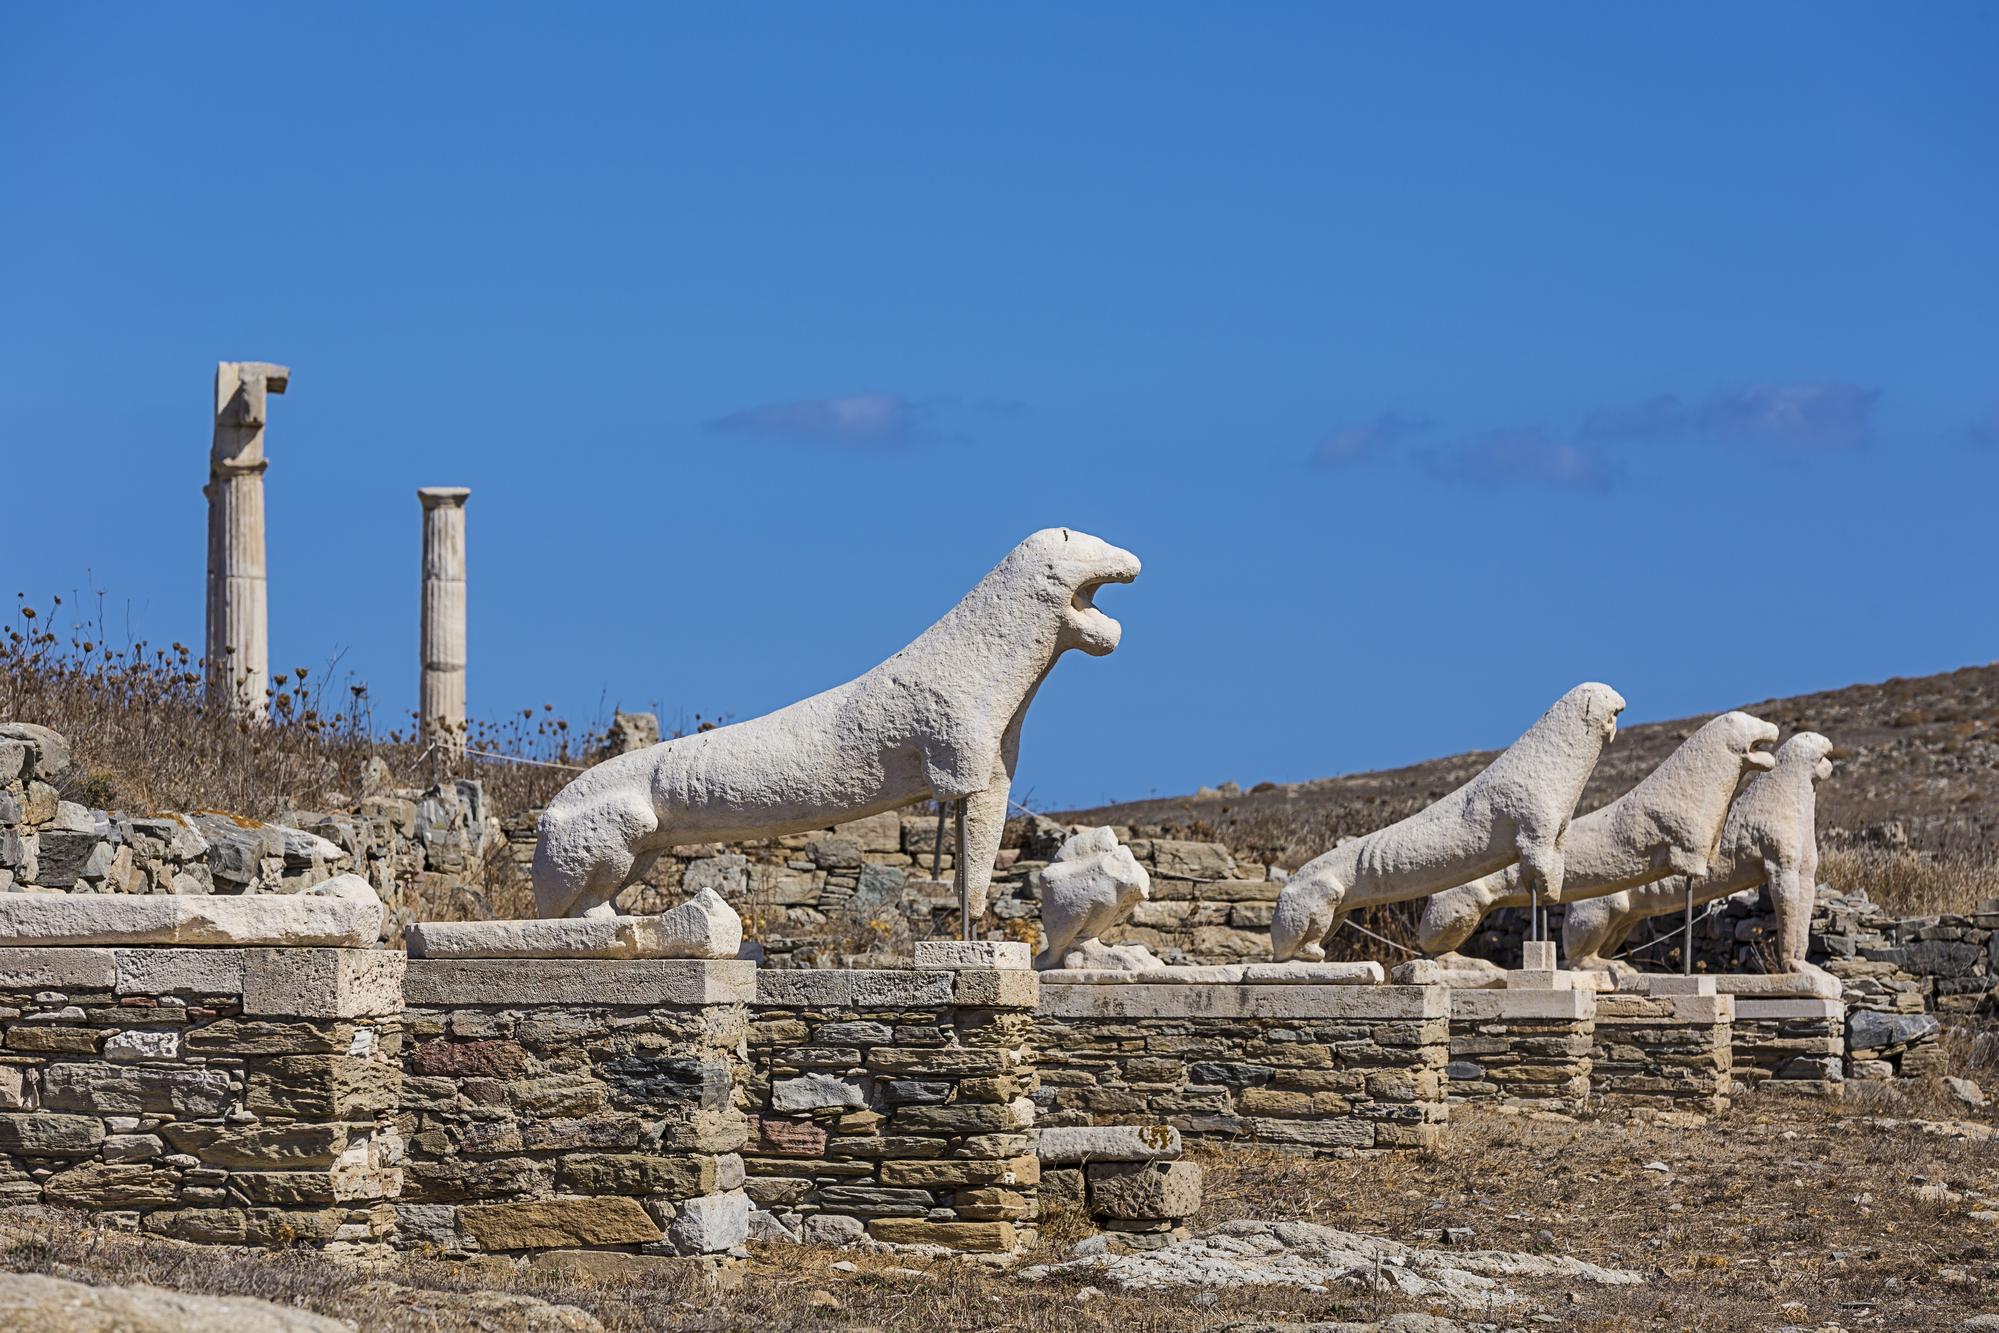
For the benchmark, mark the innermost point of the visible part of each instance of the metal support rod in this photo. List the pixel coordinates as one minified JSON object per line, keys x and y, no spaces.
{"x":937,"y":847}
{"x":1687,"y":934}
{"x":1534,"y":913}
{"x":963,"y":874}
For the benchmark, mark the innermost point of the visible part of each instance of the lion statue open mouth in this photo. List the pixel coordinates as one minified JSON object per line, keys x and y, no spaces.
{"x":940,"y":720}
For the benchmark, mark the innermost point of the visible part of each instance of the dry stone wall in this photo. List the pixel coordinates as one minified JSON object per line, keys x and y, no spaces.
{"x":1665,"y":1052}
{"x":1789,"y":1044}
{"x":1524,"y":1048}
{"x":557,"y":1104}
{"x":1314,"y":1069}
{"x":896,"y":1105}
{"x":224,"y":1095}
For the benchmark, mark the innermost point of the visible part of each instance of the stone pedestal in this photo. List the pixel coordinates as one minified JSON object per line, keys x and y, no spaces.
{"x":228,"y":1095}
{"x":441,"y":689}
{"x":1528,"y":1045}
{"x":1666,"y":1047}
{"x":1315,"y":1069}
{"x":1789,"y":1034}
{"x":237,"y":645}
{"x":559,"y":1104}
{"x":895,"y":1104}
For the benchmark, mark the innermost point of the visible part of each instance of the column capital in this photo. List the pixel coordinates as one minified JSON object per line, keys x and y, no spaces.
{"x":434,"y":497}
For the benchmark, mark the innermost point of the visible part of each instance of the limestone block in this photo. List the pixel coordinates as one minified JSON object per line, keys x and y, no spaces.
{"x":1108,"y":1143}
{"x":33,"y":968}
{"x":343,"y":912}
{"x":810,"y":1092}
{"x":48,"y":750}
{"x":637,"y":982}
{"x":323,"y":983}
{"x":1515,"y":810}
{"x":997,"y":987}
{"x":945,"y":711}
{"x":950,"y":954}
{"x":135,"y":1089}
{"x":1243,"y":1001}
{"x":1313,"y":974}
{"x":1468,"y":973}
{"x":168,"y":971}
{"x":703,"y":927}
{"x":136,"y":1046}
{"x":1144,"y":1191}
{"x":1821,"y":985}
{"x":45,"y":1134}
{"x":966,"y":1237}
{"x":609,"y":1219}
{"x":711,"y":1224}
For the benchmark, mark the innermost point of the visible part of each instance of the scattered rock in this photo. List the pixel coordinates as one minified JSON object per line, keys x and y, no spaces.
{"x":1316,"y":1258}
{"x":31,"y":1303}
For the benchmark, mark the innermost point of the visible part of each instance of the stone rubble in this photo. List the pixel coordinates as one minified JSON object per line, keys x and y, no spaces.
{"x":1321,"y":1259}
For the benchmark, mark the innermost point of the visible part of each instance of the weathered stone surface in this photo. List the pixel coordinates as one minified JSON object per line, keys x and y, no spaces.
{"x":559,"y":1223}
{"x":951,"y":954}
{"x":1138,"y":1191}
{"x":1091,"y":886}
{"x":277,"y":1147}
{"x":1870,"y":1031}
{"x":812,"y":1091}
{"x":1244,"y":1001}
{"x":636,"y":1174}
{"x":42,"y":968}
{"x":710,"y":1224}
{"x":951,"y":696}
{"x":168,"y":971}
{"x":1515,"y":810}
{"x":104,"y":1185}
{"x":50,"y":1135}
{"x":1108,"y":1143}
{"x":323,"y":1087}
{"x":703,"y":927}
{"x":971,"y":1237}
{"x":323,"y":983}
{"x":636,"y":982}
{"x":31,"y":1303}
{"x":97,"y":1088}
{"x":342,"y":912}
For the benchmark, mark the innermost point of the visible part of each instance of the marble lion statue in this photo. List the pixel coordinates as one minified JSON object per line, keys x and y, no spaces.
{"x":1771,"y":836}
{"x":1669,"y":824}
{"x":1090,"y":886}
{"x":1516,"y":810}
{"x":940,"y":720}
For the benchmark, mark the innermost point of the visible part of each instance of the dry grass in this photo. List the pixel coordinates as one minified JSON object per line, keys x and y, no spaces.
{"x":1782,"y":1212}
{"x":146,"y":739}
{"x":1911,"y":883}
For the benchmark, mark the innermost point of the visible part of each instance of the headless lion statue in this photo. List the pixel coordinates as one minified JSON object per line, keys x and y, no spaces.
{"x":1669,"y":824}
{"x":1517,"y":809}
{"x":1771,"y":837}
{"x":940,"y":720}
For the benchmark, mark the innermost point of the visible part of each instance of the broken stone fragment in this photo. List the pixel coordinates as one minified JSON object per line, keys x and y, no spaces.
{"x":344,"y":912}
{"x":703,"y":927}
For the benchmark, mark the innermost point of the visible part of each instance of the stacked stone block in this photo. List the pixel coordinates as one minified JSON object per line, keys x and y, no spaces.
{"x":564,"y":1104}
{"x":1127,"y":1180}
{"x":1323,"y":1070}
{"x":1664,"y":1052}
{"x":1522,"y":1048}
{"x":1789,"y":1044}
{"x":895,"y":1105}
{"x":230,"y":1095}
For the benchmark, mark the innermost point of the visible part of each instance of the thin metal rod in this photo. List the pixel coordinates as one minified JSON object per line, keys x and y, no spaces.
{"x":1534,"y":914}
{"x":1687,"y":940}
{"x":937,"y":847}
{"x":963,"y":874}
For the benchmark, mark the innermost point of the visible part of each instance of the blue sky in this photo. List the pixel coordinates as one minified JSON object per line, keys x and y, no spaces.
{"x":1433,"y":359}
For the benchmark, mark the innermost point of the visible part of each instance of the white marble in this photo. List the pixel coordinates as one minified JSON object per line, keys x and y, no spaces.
{"x":705,"y":926}
{"x":441,"y":681}
{"x":940,"y":720}
{"x":1770,"y":837}
{"x":1517,"y":809}
{"x":1669,"y":824}
{"x":1090,"y":886}
{"x":341,"y":913}
{"x":237,"y":647}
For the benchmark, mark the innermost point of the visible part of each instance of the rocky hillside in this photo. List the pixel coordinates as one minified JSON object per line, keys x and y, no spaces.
{"x":1918,"y":769}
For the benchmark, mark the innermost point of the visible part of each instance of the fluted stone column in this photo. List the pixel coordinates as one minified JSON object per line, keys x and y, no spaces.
{"x":442,"y":689}
{"x":238,"y":633}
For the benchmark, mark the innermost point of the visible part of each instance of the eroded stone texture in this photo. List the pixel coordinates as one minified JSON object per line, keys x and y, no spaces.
{"x":238,"y":632}
{"x":169,"y":1102}
{"x":1091,"y":886}
{"x":441,"y":684}
{"x":1310,"y":1069}
{"x":896,"y":1105}
{"x":1664,"y":1051}
{"x":1522,"y":1047}
{"x":940,"y":720}
{"x":703,"y":927}
{"x":343,"y":912}
{"x":1516,"y":810}
{"x":597,"y":1108}
{"x":1668,"y":824}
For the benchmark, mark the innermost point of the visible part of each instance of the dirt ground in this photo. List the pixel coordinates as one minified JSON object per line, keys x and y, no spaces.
{"x":1782,"y":1213}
